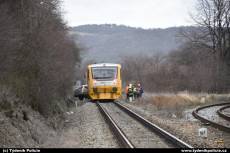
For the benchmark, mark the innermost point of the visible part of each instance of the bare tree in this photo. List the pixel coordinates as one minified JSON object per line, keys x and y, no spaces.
{"x":213,"y":18}
{"x":212,"y":34}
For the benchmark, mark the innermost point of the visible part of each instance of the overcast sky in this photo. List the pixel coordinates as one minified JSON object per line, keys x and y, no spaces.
{"x":135,"y":13}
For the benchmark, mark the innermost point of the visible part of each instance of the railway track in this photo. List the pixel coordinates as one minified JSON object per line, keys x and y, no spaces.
{"x":134,"y":131}
{"x":213,"y":114}
{"x":221,"y":112}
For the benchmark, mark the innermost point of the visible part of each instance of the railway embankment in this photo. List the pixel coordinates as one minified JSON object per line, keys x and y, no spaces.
{"x":23,"y":127}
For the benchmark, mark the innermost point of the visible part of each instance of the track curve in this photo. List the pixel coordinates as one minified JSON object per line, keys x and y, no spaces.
{"x":222,"y":114}
{"x":202,"y":118}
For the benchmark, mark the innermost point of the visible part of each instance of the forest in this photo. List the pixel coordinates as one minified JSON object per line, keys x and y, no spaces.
{"x":201,"y":64}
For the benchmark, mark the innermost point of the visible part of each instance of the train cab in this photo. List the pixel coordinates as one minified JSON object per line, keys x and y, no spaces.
{"x":104,"y":81}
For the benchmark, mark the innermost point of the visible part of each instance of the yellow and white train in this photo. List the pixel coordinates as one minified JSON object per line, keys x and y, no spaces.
{"x":104,"y":81}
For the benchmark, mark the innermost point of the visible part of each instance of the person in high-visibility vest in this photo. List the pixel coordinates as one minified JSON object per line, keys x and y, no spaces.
{"x":130,"y":91}
{"x":135,"y":92}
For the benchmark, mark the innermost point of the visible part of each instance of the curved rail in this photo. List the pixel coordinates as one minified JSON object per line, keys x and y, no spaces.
{"x":195,"y":113}
{"x":156,"y":129}
{"x":116,"y":129}
{"x":223,"y":115}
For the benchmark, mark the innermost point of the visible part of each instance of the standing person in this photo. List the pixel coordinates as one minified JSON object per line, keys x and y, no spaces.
{"x":130,"y":92}
{"x":135,"y":92}
{"x":127,"y":91}
{"x":140,"y":90}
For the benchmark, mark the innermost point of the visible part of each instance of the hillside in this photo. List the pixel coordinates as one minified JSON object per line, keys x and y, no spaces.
{"x":107,"y":43}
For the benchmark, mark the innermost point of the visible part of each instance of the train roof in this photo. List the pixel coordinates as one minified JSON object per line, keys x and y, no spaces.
{"x":104,"y":64}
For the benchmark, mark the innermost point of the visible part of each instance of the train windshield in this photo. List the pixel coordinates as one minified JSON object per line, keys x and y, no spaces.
{"x":105,"y":73}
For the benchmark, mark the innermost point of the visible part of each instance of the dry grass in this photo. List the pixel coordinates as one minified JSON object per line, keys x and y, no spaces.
{"x":177,"y":103}
{"x":186,"y":100}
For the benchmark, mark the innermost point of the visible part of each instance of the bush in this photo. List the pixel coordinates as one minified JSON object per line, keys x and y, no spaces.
{"x":40,"y":58}
{"x":186,"y":69}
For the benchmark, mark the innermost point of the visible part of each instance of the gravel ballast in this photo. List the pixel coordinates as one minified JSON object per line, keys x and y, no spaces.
{"x":211,"y":114}
{"x":186,"y":130}
{"x":86,"y":128}
{"x":138,"y":134}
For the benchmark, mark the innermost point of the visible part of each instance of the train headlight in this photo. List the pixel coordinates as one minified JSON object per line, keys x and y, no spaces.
{"x":114,"y":82}
{"x":114,"y":89}
{"x":94,"y":82}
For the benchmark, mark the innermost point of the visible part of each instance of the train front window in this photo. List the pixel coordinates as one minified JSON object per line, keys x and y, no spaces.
{"x":107,"y":73}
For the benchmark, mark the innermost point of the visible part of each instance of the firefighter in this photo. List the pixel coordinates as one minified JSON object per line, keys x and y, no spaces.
{"x":135,"y":92}
{"x":130,"y":92}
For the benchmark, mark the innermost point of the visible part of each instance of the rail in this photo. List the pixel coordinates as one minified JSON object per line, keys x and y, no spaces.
{"x":223,"y":115}
{"x":156,"y":129}
{"x":115,"y":128}
{"x":214,"y":124}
